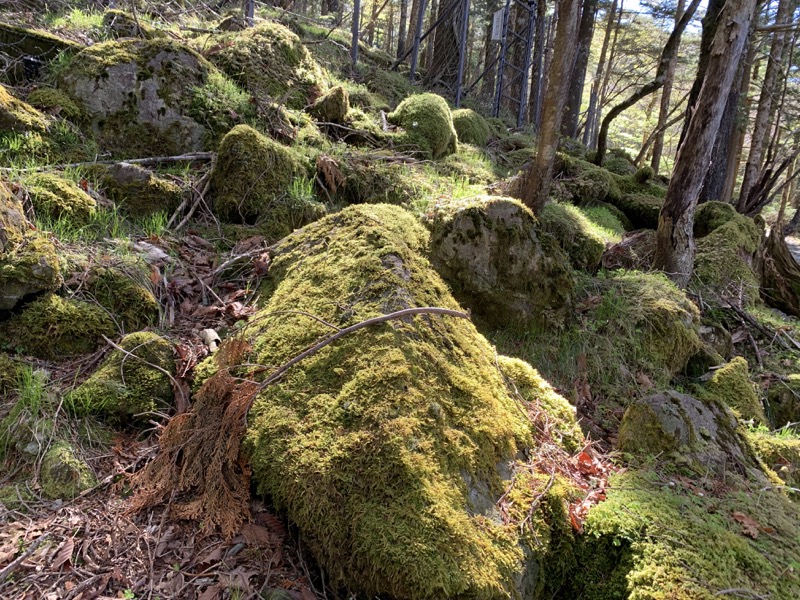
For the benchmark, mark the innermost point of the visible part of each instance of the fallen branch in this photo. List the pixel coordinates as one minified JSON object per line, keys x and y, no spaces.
{"x":152,"y":160}
{"x":17,"y":561}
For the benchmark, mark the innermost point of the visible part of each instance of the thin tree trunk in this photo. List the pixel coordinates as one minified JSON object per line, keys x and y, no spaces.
{"x":666,"y":95}
{"x":401,"y":32}
{"x":569,"y":125}
{"x":670,"y":50}
{"x":537,"y":182}
{"x":603,"y":75}
{"x":778,"y":108}
{"x":768,"y":88}
{"x":412,"y":23}
{"x":535,"y":104}
{"x":675,"y":239}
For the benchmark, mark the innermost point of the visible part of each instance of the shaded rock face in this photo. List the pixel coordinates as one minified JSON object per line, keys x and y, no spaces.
{"x":137,"y":94}
{"x":704,"y":433}
{"x":499,"y":263}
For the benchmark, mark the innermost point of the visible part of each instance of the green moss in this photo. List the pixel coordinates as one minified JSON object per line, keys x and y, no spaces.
{"x":54,"y":197}
{"x":643,"y":175}
{"x":9,"y":373}
{"x":471,"y":127}
{"x":587,"y":184}
{"x":14,"y":497}
{"x":428,"y":125}
{"x":712,"y":215}
{"x":17,"y":116}
{"x":54,"y":328}
{"x":332,"y":106}
{"x":29,"y":267}
{"x":619,"y":162}
{"x":611,"y":222}
{"x":469,"y":164}
{"x":783,"y":401}
{"x":251,"y":181}
{"x":399,"y":432}
{"x":13,"y":224}
{"x":576,"y":234}
{"x":724,"y":261}
{"x":781,"y":453}
{"x":63,"y":473}
{"x":655,"y":538}
{"x":269,"y":61}
{"x":391,"y":85}
{"x":55,"y":101}
{"x":137,"y":191}
{"x":534,"y":389}
{"x":120,"y":24}
{"x":126,"y":385}
{"x":219,"y":104}
{"x":731,"y":385}
{"x":641,"y":209}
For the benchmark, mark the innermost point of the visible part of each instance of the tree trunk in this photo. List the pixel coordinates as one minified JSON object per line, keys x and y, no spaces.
{"x":535,"y":103}
{"x":670,"y":50}
{"x":401,"y":32}
{"x":675,"y":239}
{"x":597,"y":99}
{"x":537,"y":182}
{"x":412,"y":23}
{"x":768,"y":88}
{"x":569,"y":125}
{"x":666,"y":96}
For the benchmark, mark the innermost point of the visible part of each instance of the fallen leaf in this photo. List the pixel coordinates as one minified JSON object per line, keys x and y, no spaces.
{"x":256,"y":535}
{"x":749,"y":525}
{"x":64,"y":554}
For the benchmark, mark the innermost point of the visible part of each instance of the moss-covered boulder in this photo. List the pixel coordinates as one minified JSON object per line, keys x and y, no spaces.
{"x":657,"y":536}
{"x":780,"y":453}
{"x":725,"y":258}
{"x":390,"y":448}
{"x":29,"y":263}
{"x":576,"y":234}
{"x":471,"y":127}
{"x":635,"y":251}
{"x":703,"y":434}
{"x":55,"y":197}
{"x":64,"y":474}
{"x":251,"y":183}
{"x":641,"y":209}
{"x":586,"y":184}
{"x":619,"y":162}
{"x":120,"y":24}
{"x":498,"y":261}
{"x":731,"y":385}
{"x":54,"y":102}
{"x":271,"y":63}
{"x":331,"y":107}
{"x":783,"y":401}
{"x":18,"y":116}
{"x":151,"y":97}
{"x":428,"y":126}
{"x":137,"y":191}
{"x":18,"y":41}
{"x":710,"y":216}
{"x":55,"y":328}
{"x":128,"y":383}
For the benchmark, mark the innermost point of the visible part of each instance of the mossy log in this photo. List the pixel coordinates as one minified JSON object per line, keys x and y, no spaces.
{"x":780,"y":275}
{"x":19,"y":41}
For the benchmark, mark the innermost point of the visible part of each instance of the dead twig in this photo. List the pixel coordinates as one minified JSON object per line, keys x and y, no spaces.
{"x":17,"y":561}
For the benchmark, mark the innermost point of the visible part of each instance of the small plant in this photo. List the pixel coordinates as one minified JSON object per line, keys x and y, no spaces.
{"x":154,"y":225}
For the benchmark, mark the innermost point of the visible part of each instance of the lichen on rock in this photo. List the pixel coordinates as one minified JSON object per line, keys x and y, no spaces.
{"x":427,"y":124}
{"x":493,"y":253}
{"x":129,"y":382}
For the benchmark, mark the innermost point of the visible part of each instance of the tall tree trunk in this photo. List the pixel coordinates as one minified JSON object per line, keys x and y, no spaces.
{"x":412,"y":23}
{"x":600,"y":81}
{"x":768,"y":89}
{"x":535,"y":103}
{"x":675,"y":239}
{"x":670,"y":50}
{"x":401,"y":32}
{"x":518,"y":21}
{"x":666,"y":96}
{"x":537,"y":182}
{"x":569,"y":124}
{"x":428,"y":55}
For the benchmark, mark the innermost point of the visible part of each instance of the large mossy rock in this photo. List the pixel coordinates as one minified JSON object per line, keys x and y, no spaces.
{"x":731,"y":385}
{"x":138,"y":191}
{"x":64,"y":474}
{"x":17,"y":42}
{"x":781,"y":453}
{"x":493,"y":253}
{"x":575,"y":234}
{"x":428,"y":126}
{"x":150,"y":97}
{"x":471,"y":127}
{"x":271,"y":63}
{"x":54,"y":197}
{"x":332,"y":107}
{"x":710,"y":216}
{"x":251,"y":180}
{"x":390,"y":448}
{"x":703,"y":434}
{"x":55,"y":328}
{"x":128,"y":383}
{"x":29,"y":263}
{"x":17,"y":116}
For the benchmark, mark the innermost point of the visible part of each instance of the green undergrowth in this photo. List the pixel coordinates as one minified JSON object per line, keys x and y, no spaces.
{"x":780,"y":451}
{"x":656,"y":537}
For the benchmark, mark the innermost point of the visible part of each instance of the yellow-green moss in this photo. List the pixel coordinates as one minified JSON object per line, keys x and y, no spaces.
{"x":724,"y":261}
{"x":576,"y":234}
{"x":13,"y":224}
{"x":471,"y":127}
{"x":55,"y":328}
{"x":644,"y":174}
{"x":270,"y":62}
{"x":127,"y":385}
{"x":783,"y":401}
{"x":63,"y":473}
{"x":137,"y":191}
{"x":712,"y":215}
{"x":587,"y":184}
{"x":731,"y":384}
{"x":251,"y":182}
{"x":9,"y":372}
{"x":428,"y":126}
{"x":656,"y":538}
{"x":14,"y":497}
{"x":380,"y":444}
{"x":332,"y":106}
{"x":55,"y":101}
{"x":781,"y":453}
{"x":29,"y":267}
{"x":55,"y":197}
{"x":120,"y":24}
{"x":18,"y":116}
{"x":218,"y":104}
{"x":527,"y":381}
{"x":619,"y":162}
{"x":641,"y":209}
{"x":470,"y":164}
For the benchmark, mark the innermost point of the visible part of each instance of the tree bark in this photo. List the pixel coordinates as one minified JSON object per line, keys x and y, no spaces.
{"x":535,"y":102}
{"x":537,"y":182}
{"x":572,"y":111}
{"x":768,"y":88}
{"x":670,"y":50}
{"x":401,"y":32}
{"x":675,"y":239}
{"x":591,"y":112}
{"x":666,"y":96}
